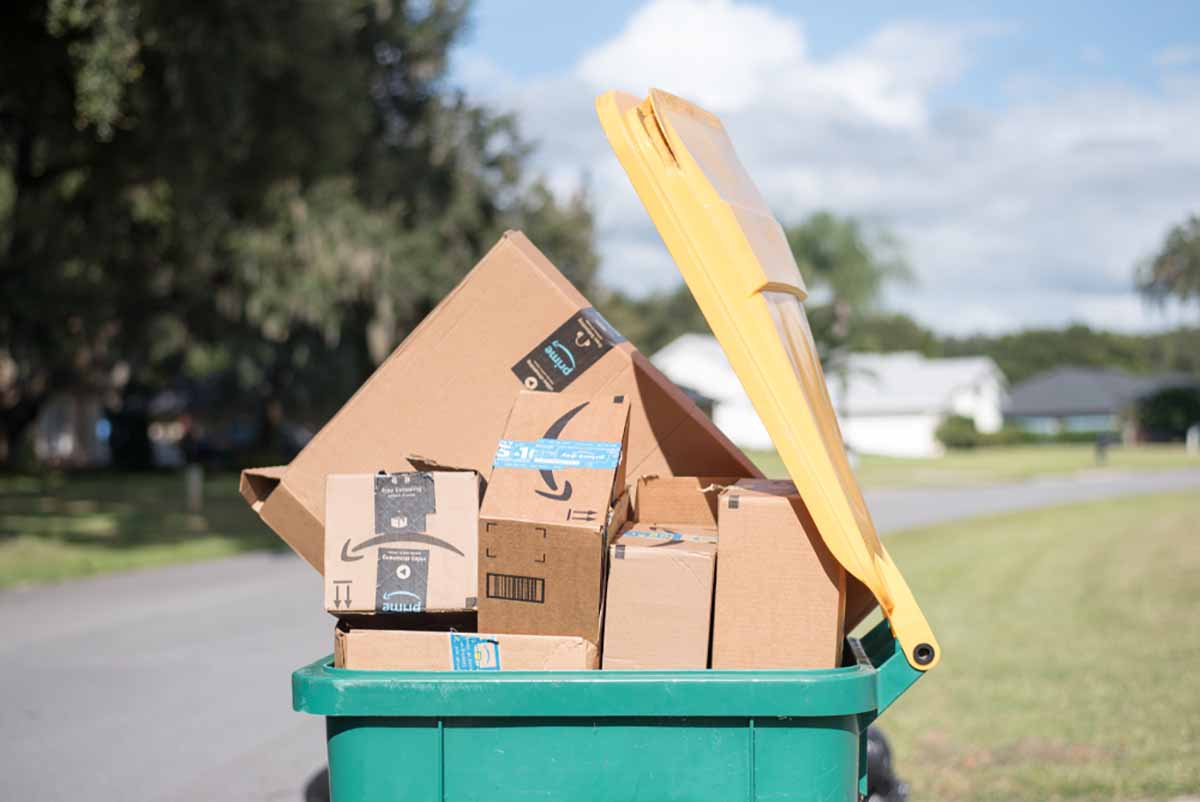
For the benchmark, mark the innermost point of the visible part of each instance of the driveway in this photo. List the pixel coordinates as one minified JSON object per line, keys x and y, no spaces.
{"x":173,"y":684}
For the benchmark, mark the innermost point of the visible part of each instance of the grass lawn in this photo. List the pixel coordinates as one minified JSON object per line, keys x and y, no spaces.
{"x":1071,"y":638}
{"x":57,"y":527}
{"x":997,"y":464}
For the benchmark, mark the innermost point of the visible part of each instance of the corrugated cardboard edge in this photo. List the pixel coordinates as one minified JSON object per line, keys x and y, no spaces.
{"x":860,"y":602}
{"x":340,"y":634}
{"x":591,"y":655}
{"x":267,"y":494}
{"x":257,"y":483}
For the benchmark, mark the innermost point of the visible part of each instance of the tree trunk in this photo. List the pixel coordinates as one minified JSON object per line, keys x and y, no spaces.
{"x":14,"y":423}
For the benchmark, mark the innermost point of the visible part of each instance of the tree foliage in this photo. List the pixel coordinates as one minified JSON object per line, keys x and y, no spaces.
{"x":1175,"y":271}
{"x":273,"y":192}
{"x":845,"y":264}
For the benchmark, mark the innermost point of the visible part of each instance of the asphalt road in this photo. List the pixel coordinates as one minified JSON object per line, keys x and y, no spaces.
{"x":173,"y":684}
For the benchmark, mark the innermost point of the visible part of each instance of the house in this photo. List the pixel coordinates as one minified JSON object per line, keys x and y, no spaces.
{"x":1085,"y":400}
{"x":886,"y":403}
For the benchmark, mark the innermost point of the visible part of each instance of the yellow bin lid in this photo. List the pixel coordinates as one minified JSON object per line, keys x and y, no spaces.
{"x":736,"y":261}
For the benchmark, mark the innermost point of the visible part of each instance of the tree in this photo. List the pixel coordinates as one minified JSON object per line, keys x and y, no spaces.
{"x":1175,"y":270}
{"x":893,"y":331}
{"x":654,"y":320}
{"x":847,"y":266}
{"x":271,"y":192}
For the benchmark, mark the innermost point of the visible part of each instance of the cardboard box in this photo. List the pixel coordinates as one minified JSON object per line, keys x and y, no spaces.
{"x":402,"y":542}
{"x":547,"y":514}
{"x":514,"y":322}
{"x":658,"y":609}
{"x":860,"y":603}
{"x":679,"y":499}
{"x":781,"y":596}
{"x":405,"y":650}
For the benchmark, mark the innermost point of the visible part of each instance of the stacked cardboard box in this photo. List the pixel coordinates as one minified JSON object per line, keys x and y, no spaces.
{"x":549,"y":513}
{"x":781,"y":596}
{"x":517,"y":486}
{"x":658,"y":613}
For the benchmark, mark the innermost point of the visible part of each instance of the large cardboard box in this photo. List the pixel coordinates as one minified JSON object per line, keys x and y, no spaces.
{"x":547,"y":514}
{"x":781,"y":596}
{"x":658,"y":608}
{"x":514,"y":322}
{"x":402,"y":542}
{"x":406,"y":650}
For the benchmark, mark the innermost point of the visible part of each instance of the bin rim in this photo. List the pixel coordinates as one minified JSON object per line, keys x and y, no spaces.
{"x":879,"y":675}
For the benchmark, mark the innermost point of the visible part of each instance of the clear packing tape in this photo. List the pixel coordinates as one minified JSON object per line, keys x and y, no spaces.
{"x":736,"y":261}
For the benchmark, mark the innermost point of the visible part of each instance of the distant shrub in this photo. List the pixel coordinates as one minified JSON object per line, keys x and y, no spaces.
{"x":1167,"y":414}
{"x":1010,"y":436}
{"x":958,"y":432}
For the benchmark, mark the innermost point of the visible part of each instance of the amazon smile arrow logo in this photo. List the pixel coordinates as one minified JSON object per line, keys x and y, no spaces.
{"x":350,"y":553}
{"x":547,"y":476}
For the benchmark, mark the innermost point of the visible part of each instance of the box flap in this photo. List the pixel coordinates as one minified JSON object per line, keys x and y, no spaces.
{"x":271,"y":498}
{"x":258,"y":483}
{"x":679,"y":499}
{"x":736,"y":261}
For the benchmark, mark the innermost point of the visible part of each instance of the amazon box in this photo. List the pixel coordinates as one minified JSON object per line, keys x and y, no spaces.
{"x":781,"y":596}
{"x":658,"y":611}
{"x":513,"y":323}
{"x":401,"y":542}
{"x":405,"y":650}
{"x":548,"y":512}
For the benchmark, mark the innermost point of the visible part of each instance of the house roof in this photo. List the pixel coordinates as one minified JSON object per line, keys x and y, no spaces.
{"x":1086,"y":391}
{"x":892,"y":383}
{"x":904,"y":382}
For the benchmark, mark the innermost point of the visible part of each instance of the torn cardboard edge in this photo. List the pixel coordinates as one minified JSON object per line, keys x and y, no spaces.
{"x":679,"y":499}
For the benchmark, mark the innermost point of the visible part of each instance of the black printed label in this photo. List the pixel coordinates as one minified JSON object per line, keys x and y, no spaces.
{"x":402,"y":580}
{"x":402,"y":502}
{"x":570,"y":349}
{"x":516,"y":588}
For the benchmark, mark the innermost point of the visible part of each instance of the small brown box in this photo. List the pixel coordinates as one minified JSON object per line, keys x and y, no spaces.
{"x":401,"y":542}
{"x":781,"y":596}
{"x":548,"y":513}
{"x":658,"y":608}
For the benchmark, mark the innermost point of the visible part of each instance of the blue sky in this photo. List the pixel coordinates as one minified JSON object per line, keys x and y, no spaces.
{"x":1027,"y":155}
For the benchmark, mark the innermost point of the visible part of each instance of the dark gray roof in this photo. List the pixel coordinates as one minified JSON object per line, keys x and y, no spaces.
{"x":1087,"y":391}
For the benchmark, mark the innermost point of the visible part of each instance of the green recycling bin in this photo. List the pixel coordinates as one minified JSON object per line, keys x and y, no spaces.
{"x":604,"y":735}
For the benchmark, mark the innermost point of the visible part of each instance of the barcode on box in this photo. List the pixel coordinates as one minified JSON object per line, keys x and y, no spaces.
{"x":516,"y":588}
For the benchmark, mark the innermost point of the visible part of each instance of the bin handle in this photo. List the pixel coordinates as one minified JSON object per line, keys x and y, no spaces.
{"x":894,"y":675}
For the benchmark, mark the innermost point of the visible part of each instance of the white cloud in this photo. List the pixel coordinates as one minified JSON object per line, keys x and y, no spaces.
{"x":722,"y":54}
{"x":1178,"y":56}
{"x":1030,"y":214}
